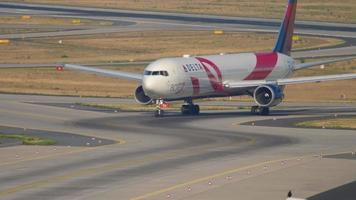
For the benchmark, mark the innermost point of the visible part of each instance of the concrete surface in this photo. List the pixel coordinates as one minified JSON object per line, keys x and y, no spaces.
{"x":202,"y":157}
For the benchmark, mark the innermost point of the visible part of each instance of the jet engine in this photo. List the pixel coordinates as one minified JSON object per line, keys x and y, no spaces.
{"x":141,"y":97}
{"x":268,"y":95}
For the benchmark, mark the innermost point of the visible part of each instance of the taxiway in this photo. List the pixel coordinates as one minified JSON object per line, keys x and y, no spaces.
{"x":231,"y":154}
{"x":186,"y":157}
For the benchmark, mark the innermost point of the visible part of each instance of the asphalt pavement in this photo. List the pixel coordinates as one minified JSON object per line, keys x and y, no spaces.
{"x":156,"y":157}
{"x":229,"y":154}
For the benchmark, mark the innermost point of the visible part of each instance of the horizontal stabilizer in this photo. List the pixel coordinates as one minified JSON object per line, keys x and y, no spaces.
{"x":312,"y":64}
{"x":289,"y":81}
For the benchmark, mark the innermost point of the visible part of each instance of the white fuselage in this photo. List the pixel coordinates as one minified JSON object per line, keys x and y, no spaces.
{"x":204,"y":76}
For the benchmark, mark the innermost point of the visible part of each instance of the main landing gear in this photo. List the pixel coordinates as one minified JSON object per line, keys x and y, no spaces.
{"x":189,"y":108}
{"x":264,"y":111}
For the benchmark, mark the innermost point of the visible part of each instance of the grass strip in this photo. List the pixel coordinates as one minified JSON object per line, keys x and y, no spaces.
{"x":337,"y":123}
{"x":29,"y":140}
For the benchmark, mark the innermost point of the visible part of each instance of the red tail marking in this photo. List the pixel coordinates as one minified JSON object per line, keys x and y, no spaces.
{"x":266,"y":62}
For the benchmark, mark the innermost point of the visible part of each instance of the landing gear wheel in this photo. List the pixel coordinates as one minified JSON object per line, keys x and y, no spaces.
{"x":254,"y":110}
{"x":185,"y":110}
{"x":196,"y":110}
{"x":190,"y":110}
{"x":264,"y":111}
{"x":159,"y":113}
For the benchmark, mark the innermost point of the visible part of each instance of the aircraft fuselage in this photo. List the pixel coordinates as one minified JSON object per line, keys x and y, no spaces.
{"x":203,"y":76}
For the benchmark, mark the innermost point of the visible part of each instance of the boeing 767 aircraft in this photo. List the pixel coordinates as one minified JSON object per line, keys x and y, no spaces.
{"x":260,"y":75}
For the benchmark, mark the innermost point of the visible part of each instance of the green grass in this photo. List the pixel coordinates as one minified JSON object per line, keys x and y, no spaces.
{"x":335,"y":123}
{"x":29,"y":140}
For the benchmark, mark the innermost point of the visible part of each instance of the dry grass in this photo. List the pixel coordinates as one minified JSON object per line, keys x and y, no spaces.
{"x":327,"y":91}
{"x":43,"y":20}
{"x":146,"y":46}
{"x":22,"y":30}
{"x":141,"y":46}
{"x":339,"y":123}
{"x":320,"y":10}
{"x":53,"y":82}
{"x":50,"y":81}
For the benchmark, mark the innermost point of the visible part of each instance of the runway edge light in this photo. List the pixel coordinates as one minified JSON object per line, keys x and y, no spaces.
{"x":76,"y":21}
{"x":59,"y":68}
{"x":4,"y":41}
{"x":219,"y":32}
{"x":26,"y":17}
{"x":296,"y":38}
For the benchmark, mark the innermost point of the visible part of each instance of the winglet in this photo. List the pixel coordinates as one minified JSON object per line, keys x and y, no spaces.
{"x":284,"y":42}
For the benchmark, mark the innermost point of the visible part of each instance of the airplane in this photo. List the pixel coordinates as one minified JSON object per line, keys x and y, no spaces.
{"x":262,"y":76}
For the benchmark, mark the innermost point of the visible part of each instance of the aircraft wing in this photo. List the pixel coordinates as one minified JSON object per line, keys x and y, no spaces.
{"x":289,"y":81}
{"x":106,"y":72}
{"x":312,"y":64}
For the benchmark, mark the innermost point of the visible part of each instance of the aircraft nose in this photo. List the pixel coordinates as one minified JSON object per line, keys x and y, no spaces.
{"x":148,"y":86}
{"x":154,"y":88}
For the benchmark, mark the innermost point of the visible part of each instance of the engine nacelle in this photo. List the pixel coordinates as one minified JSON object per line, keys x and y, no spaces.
{"x":141,"y":97}
{"x":268,"y":95}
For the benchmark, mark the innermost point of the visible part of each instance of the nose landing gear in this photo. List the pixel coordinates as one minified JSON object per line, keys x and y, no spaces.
{"x":159,"y":112}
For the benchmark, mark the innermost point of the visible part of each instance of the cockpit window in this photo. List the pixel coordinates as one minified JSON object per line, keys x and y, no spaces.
{"x":164,"y":73}
{"x":156,"y":73}
{"x":147,"y":73}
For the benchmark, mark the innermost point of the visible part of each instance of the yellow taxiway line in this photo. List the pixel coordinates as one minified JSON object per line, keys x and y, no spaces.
{"x":207,"y":178}
{"x":97,"y":170}
{"x":221,"y":174}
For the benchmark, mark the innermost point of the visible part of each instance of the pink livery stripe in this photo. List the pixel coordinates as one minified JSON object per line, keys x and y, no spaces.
{"x":216,"y":82}
{"x":196,"y":86}
{"x":266,"y":62}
